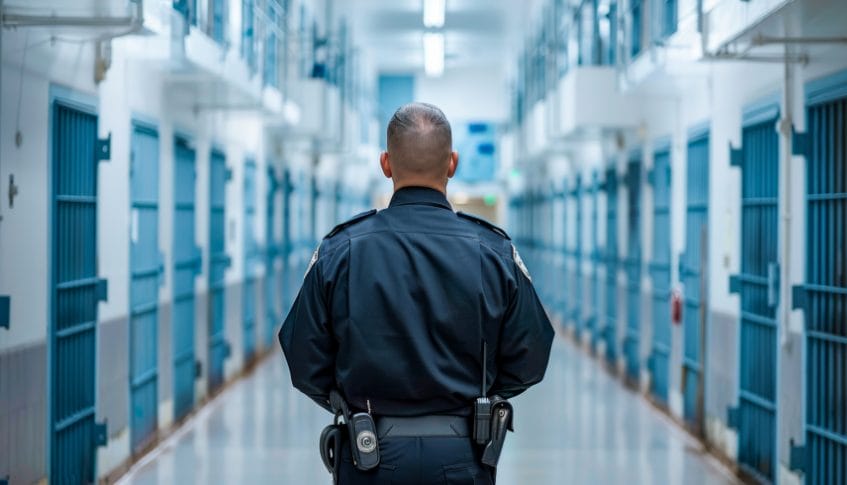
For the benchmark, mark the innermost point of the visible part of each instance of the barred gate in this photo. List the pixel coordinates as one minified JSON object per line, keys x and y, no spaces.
{"x":824,"y":295}
{"x":758,"y":286}
{"x":660,"y":273}
{"x":76,"y":291}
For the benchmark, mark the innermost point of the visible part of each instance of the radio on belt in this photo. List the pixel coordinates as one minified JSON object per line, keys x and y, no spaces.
{"x":482,"y":406}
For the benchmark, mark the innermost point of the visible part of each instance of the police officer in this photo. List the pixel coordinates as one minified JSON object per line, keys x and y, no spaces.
{"x":398,"y":306}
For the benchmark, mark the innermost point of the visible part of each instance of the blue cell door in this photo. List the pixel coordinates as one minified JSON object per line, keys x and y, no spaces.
{"x":632,"y":339}
{"x":823,"y":297}
{"x":757,"y":284}
{"x":219,"y":261}
{"x":288,"y":287}
{"x":610,"y":328}
{"x":596,"y":260}
{"x":218,"y":8}
{"x":248,"y":33}
{"x":146,"y":271}
{"x":251,"y":253}
{"x":660,"y":274}
{"x":272,"y":252}
{"x":692,"y":264}
{"x":187,"y":262}
{"x":555,"y":285}
{"x":76,"y":290}
{"x":576,"y":311}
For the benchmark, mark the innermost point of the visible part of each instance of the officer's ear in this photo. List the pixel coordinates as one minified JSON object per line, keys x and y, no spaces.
{"x":385,"y":164}
{"x":454,"y":164}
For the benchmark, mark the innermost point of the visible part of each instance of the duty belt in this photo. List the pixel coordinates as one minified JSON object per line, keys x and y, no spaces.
{"x":423,"y":426}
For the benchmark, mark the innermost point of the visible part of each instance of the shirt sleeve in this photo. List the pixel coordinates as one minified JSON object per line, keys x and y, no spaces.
{"x":307,"y":341}
{"x":525,"y":340}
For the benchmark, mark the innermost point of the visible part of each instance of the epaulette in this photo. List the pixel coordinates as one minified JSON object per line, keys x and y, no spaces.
{"x":350,"y":222}
{"x":484,"y":223}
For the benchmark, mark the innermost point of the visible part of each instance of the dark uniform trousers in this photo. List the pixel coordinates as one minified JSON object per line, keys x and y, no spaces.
{"x":427,"y":460}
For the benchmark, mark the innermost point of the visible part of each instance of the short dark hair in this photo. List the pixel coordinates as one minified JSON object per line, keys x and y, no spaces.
{"x":420,"y":139}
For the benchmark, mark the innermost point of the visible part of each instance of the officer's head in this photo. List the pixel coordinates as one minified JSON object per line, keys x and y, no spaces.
{"x":420,"y":148}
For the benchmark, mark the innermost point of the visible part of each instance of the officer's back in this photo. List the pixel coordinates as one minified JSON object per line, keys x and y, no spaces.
{"x":399,"y":307}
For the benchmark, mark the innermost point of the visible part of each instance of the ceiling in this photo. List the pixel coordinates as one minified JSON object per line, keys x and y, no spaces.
{"x":477,"y":32}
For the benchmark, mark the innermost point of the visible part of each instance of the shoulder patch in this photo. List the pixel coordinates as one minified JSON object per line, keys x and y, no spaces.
{"x":312,"y":261}
{"x":519,"y":262}
{"x":350,"y":222}
{"x":484,"y":223}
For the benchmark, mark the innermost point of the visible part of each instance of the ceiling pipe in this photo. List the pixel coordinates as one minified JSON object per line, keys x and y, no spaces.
{"x":133,"y":22}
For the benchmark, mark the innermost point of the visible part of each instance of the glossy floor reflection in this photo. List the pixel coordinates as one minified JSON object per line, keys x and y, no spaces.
{"x":578,"y":426}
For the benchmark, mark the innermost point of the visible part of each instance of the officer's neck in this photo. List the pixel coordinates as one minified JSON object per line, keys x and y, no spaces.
{"x":420,"y":182}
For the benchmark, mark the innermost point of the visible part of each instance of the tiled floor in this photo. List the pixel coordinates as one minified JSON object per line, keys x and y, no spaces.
{"x":578,"y":426}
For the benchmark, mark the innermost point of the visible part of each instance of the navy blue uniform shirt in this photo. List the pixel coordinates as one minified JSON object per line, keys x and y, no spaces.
{"x":396,"y":304}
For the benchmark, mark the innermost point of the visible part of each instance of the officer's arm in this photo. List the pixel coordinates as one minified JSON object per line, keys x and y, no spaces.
{"x":525,"y":341}
{"x":307,"y":341}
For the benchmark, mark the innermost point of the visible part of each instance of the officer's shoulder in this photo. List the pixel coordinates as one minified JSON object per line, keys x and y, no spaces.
{"x":350,"y":222}
{"x":492,"y":228}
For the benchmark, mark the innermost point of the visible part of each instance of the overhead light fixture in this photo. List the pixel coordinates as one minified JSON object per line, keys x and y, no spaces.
{"x":433,"y":44}
{"x":433,"y":13}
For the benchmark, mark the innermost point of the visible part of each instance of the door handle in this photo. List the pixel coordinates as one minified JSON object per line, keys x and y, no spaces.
{"x":773,"y":284}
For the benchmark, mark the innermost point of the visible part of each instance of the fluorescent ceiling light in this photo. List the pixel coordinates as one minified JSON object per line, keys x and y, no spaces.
{"x":433,"y":13}
{"x":433,"y":43}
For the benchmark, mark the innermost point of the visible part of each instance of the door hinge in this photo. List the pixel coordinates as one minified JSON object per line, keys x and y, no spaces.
{"x":797,"y":459}
{"x":5,"y":311}
{"x":198,"y":260}
{"x":101,"y":433}
{"x":798,"y":297}
{"x":227,"y":350}
{"x":102,"y":290}
{"x":733,"y":417}
{"x":228,"y":174}
{"x":799,"y":143}
{"x":651,"y":176}
{"x":736,"y":156}
{"x":734,"y":283}
{"x":198,"y":369}
{"x":161,"y":268}
{"x":104,"y":148}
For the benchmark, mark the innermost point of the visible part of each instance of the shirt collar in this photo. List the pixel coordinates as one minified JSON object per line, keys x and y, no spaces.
{"x":421,"y":196}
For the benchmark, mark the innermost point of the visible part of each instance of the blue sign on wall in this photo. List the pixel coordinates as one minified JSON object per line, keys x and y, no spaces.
{"x":476,"y":143}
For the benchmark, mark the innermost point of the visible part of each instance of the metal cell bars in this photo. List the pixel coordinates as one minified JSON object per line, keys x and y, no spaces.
{"x":302,"y":239}
{"x":609,"y":331}
{"x":592,"y":320}
{"x":632,"y":339}
{"x":757,"y":284}
{"x":636,"y":8}
{"x":824,"y":295}
{"x":287,"y":282}
{"x":250,"y":248}
{"x":218,"y":27}
{"x":574,"y":234}
{"x":188,"y":263}
{"x":692,"y":264}
{"x":660,"y":274}
{"x":273,"y":276}
{"x":219,"y":261}
{"x":146,"y":271}
{"x":75,"y":293}
{"x":551,"y":247}
{"x":270,"y":67}
{"x":664,"y":19}
{"x":248,"y":33}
